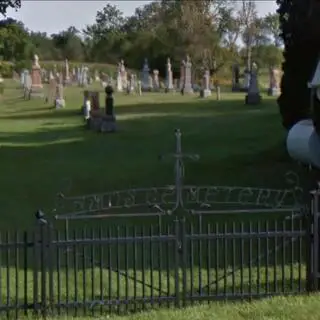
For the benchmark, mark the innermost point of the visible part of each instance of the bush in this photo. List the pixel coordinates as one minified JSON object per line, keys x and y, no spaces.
{"x":6,"y":69}
{"x":300,"y":59}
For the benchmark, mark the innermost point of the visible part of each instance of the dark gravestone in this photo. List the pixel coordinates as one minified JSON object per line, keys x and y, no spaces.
{"x":109,"y":120}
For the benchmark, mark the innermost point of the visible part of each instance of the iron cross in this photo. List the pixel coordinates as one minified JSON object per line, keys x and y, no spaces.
{"x":179,"y":168}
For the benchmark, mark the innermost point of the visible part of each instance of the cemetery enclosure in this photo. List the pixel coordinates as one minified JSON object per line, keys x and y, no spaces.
{"x":238,"y":145}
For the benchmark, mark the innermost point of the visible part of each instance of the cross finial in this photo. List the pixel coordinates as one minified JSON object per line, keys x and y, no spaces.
{"x":179,"y":168}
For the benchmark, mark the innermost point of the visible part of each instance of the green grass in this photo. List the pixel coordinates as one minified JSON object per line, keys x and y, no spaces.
{"x":45,"y":151}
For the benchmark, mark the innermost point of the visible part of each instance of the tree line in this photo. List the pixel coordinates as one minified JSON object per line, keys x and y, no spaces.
{"x":214,"y":33}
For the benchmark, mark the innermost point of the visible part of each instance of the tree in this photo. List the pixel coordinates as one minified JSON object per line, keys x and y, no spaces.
{"x":300,"y":33}
{"x":69,"y":44}
{"x":248,"y":19}
{"x":14,"y":39}
{"x":271,"y":26}
{"x":5,"y":4}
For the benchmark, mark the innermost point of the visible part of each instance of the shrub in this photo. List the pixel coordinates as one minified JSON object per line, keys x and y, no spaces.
{"x":300,"y":59}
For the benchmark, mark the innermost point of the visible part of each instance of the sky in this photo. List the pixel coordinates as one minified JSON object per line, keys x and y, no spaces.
{"x":55,"y":16}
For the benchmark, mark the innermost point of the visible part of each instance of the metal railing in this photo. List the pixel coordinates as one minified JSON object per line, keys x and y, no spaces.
{"x":129,"y":269}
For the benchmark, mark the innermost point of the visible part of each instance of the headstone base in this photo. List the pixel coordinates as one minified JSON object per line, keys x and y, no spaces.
{"x":104,"y":124}
{"x":36,"y":92}
{"x":273,"y":92}
{"x":188,"y":91}
{"x":205,"y":93}
{"x":59,"y":103}
{"x":253,"y":98}
{"x":108,"y":124}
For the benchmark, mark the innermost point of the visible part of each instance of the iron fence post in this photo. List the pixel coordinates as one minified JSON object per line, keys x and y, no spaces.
{"x":313,"y":269}
{"x":183,"y":260}
{"x":177,"y":262}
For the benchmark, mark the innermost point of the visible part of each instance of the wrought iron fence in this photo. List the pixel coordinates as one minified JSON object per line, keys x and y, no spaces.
{"x":184,"y":247}
{"x":129,"y":269}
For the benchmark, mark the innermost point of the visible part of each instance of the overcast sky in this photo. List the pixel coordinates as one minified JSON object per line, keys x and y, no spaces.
{"x":54,"y":16}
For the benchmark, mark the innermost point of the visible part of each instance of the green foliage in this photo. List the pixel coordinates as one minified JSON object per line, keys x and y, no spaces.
{"x":6,"y":69}
{"x":300,"y":58}
{"x":5,"y":4}
{"x":207,"y":30}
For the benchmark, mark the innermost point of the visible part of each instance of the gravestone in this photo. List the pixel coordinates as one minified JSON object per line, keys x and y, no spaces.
{"x":253,"y":97}
{"x":131,"y":84}
{"x":94,"y":98}
{"x":145,"y":76}
{"x":59,"y":101}
{"x":123,"y":75}
{"x":36,"y":87}
{"x":109,"y":120}
{"x":79,"y":76}
{"x":51,"y":90}
{"x":235,"y":77}
{"x":96,"y":76}
{"x":182,"y":71}
{"x":87,"y":111}
{"x":169,"y":80}
{"x":66,"y":73}
{"x":84,"y":77}
{"x":155,"y":82}
{"x":139,"y":89}
{"x":187,"y":86}
{"x":205,"y":90}
{"x":27,"y":86}
{"x":273,"y":89}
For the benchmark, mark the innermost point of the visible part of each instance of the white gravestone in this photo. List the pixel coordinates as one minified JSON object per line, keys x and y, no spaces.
{"x":145,"y":76}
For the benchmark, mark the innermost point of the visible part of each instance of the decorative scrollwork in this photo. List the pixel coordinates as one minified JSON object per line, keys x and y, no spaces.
{"x":177,"y":198}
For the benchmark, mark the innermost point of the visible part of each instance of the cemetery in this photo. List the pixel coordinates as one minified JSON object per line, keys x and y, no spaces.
{"x":171,"y":186}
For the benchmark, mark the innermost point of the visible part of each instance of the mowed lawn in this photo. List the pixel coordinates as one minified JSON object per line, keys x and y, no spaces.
{"x":46,"y":151}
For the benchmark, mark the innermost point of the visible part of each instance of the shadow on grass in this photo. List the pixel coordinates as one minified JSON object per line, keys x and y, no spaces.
{"x":237,"y":144}
{"x":133,"y":297}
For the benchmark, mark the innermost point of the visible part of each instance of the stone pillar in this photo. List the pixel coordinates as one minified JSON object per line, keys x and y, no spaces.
{"x":169,"y":79}
{"x":66,"y":72}
{"x":273,"y":89}
{"x":253,"y":96}
{"x":59,"y":99}
{"x":205,"y":90}
{"x":187,"y":86}
{"x":182,"y":71}
{"x":36,"y":86}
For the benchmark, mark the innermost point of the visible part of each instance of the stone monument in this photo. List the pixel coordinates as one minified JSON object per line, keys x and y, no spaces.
{"x":59,"y":101}
{"x":187,"y":85}
{"x":145,"y":76}
{"x":155,"y":82}
{"x":169,"y":80}
{"x":253,"y":97}
{"x":205,"y":90}
{"x":109,"y":120}
{"x":273,"y":89}
{"x":36,"y":86}
{"x":182,"y":71}
{"x":66,"y":73}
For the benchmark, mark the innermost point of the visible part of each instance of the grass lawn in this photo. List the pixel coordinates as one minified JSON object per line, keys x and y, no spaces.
{"x":293,"y":308}
{"x":46,"y":151}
